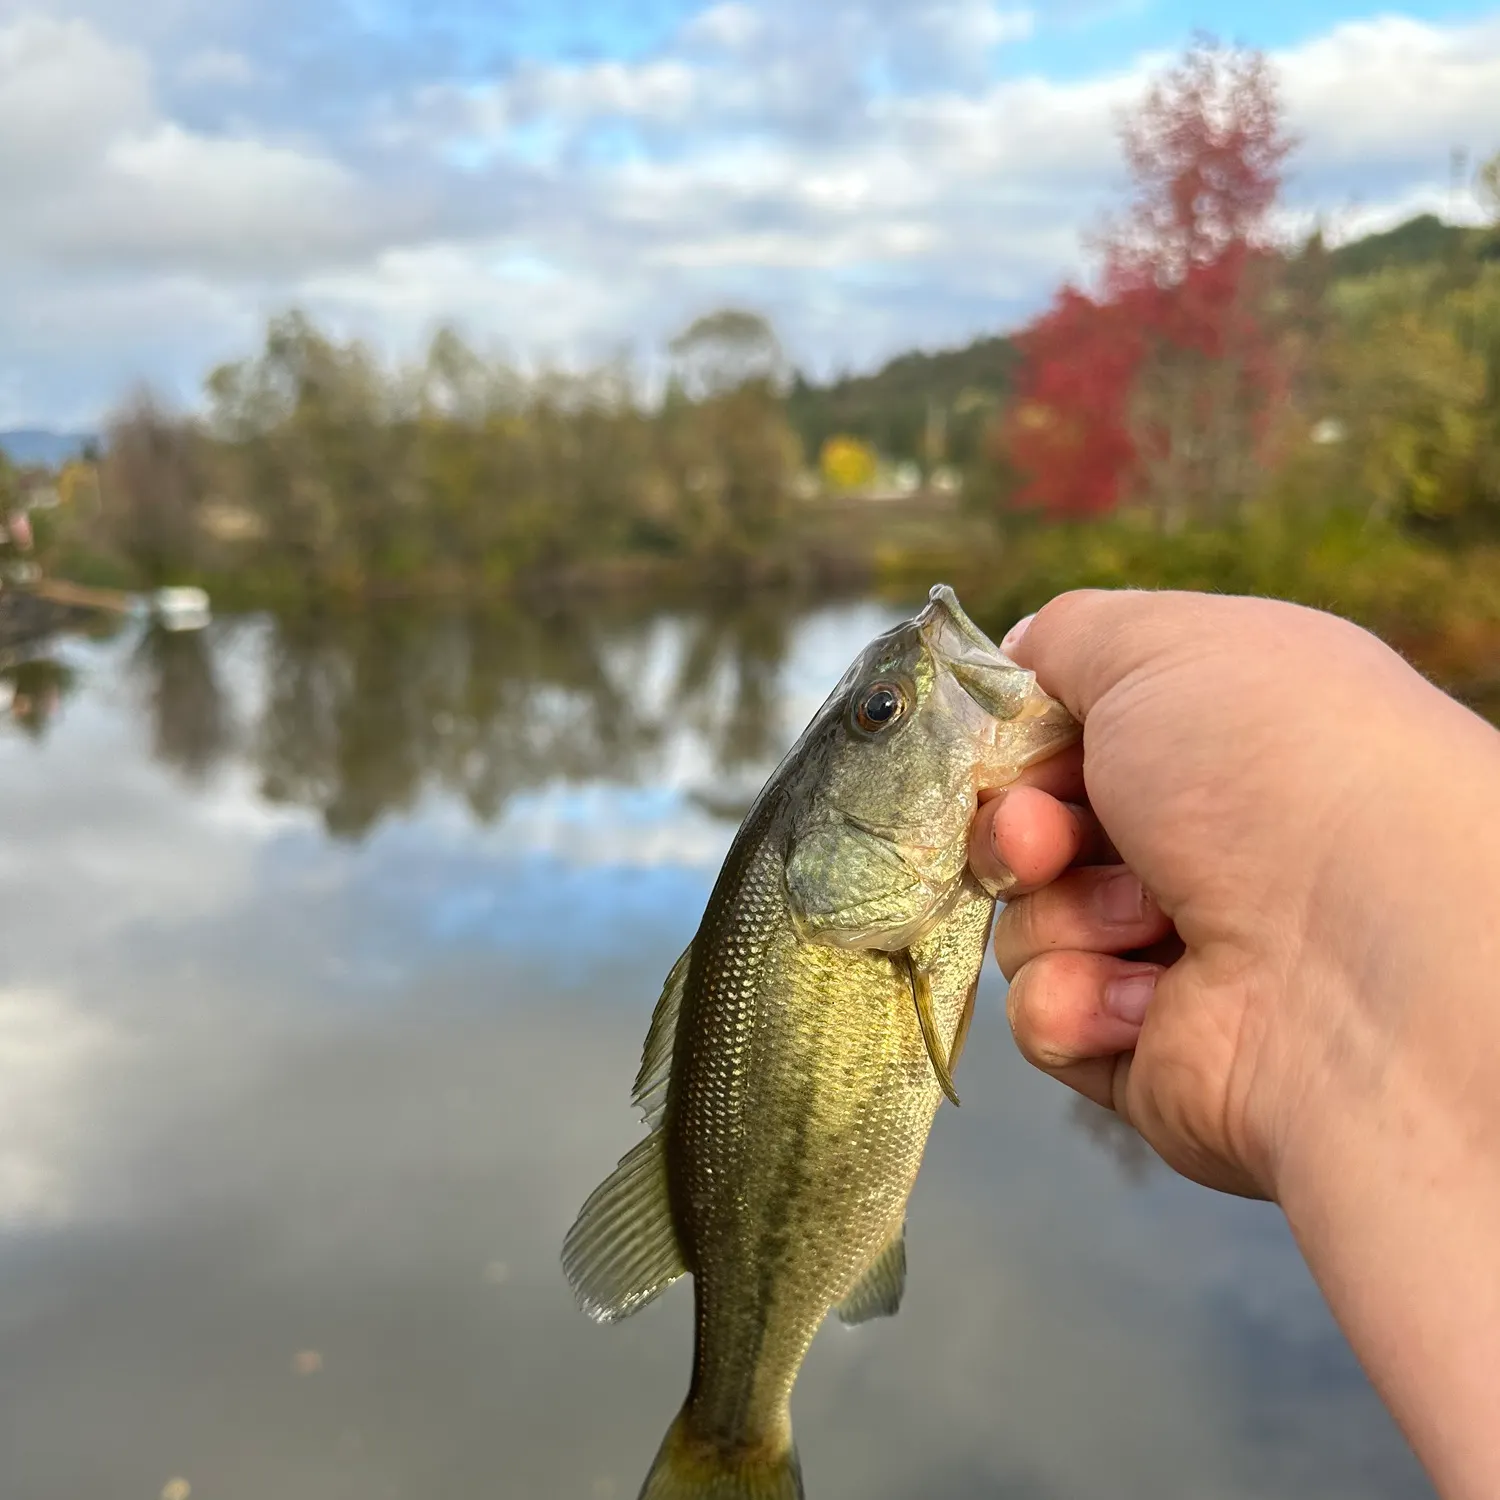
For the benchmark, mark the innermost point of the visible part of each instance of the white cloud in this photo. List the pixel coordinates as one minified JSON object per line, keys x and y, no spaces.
{"x":135,"y":244}
{"x":65,"y":94}
{"x":730,"y":27}
{"x":96,"y":174}
{"x":860,"y":171}
{"x":51,"y":1056}
{"x":1395,"y":92}
{"x":218,"y":67}
{"x":662,"y":90}
{"x":968,"y":25}
{"x":985,"y":188}
{"x":195,"y":198}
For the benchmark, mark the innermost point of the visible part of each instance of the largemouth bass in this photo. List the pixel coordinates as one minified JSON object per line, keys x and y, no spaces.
{"x":803,"y":1042}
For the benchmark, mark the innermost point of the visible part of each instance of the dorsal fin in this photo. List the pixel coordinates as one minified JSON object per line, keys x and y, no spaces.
{"x":650,"y":1093}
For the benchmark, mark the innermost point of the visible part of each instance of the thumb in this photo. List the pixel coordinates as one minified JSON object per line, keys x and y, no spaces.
{"x":1083,"y":643}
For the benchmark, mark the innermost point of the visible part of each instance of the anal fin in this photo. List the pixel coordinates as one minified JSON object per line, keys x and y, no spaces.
{"x":622,"y":1250}
{"x":878,"y":1292}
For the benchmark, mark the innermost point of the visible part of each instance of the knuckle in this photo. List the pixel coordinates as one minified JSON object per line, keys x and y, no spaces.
{"x":1051,"y":1056}
{"x":1038,"y":1010}
{"x":1015,"y":940}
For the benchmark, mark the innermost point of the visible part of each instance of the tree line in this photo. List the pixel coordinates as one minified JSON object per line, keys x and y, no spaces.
{"x":315,"y":465}
{"x":1208,"y":385}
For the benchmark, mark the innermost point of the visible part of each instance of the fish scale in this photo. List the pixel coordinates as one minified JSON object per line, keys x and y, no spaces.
{"x":802,"y":1045}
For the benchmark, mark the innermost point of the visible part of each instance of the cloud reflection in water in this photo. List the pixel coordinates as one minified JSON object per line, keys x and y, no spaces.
{"x":328,"y":958}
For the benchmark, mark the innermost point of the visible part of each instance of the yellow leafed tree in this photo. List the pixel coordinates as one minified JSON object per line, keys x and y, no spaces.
{"x":847,"y":464}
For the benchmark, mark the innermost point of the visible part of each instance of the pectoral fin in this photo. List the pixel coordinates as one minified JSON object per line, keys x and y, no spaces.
{"x":921,"y":990}
{"x":878,"y":1292}
{"x":961,"y":1035}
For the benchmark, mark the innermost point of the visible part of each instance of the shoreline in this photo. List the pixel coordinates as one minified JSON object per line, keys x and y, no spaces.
{"x":1462,"y":655}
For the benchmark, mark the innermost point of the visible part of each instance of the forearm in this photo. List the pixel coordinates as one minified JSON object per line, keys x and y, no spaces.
{"x":1392,"y":1185}
{"x":1402,"y":1237}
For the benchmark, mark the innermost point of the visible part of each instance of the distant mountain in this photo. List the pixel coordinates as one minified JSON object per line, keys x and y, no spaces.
{"x":39,"y":445}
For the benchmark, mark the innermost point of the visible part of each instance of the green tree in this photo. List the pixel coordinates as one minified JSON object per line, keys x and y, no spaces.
{"x":726,"y":350}
{"x":1405,"y":390}
{"x":151,"y":487}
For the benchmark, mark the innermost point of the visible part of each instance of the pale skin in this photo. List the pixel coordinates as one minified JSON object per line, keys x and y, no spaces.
{"x":1316,"y":1017}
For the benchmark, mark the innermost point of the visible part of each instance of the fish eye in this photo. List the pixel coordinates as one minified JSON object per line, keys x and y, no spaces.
{"x":880,"y":706}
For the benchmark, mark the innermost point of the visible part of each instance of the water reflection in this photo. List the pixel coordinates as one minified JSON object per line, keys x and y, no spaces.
{"x":31,"y":692}
{"x":329,"y":948}
{"x":186,"y":708}
{"x":1135,"y":1159}
{"x":358,"y":716}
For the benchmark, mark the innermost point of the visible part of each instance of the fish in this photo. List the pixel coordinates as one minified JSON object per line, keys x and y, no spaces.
{"x":805,"y":1038}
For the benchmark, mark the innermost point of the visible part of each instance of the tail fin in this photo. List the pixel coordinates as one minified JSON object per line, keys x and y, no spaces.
{"x":687,"y":1468}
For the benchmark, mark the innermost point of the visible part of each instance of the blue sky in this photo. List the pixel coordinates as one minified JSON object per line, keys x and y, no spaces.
{"x":566,"y":181}
{"x":1070,"y":38}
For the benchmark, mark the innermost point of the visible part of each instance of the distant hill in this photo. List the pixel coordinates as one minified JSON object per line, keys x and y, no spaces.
{"x":892,"y":407}
{"x":952,"y":391}
{"x":1417,"y":242}
{"x":39,"y":445}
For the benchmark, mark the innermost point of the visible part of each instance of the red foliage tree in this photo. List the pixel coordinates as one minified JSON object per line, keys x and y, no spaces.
{"x":1206,"y":151}
{"x":1067,"y":434}
{"x":1163,"y":387}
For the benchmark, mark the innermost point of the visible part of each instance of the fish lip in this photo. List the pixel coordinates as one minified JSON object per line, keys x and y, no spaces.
{"x":967,"y":652}
{"x":943,"y":607}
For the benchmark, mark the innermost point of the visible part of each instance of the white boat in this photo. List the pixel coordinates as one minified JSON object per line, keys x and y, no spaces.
{"x":180,"y":608}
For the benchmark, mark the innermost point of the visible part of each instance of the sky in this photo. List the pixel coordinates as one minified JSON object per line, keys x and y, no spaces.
{"x":567,"y":182}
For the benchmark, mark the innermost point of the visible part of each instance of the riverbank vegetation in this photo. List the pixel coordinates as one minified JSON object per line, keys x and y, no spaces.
{"x":1218,"y":411}
{"x":1215,"y":408}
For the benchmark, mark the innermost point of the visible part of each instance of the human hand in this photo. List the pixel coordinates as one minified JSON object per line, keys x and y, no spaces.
{"x":1246,"y":759}
{"x":1305,"y":1005}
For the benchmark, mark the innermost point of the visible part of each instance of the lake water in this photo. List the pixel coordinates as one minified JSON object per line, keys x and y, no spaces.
{"x":326,"y":955}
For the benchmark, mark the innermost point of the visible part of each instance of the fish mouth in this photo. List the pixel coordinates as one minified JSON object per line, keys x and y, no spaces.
{"x":943,"y":610}
{"x":985,"y":673}
{"x":1001,"y":688}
